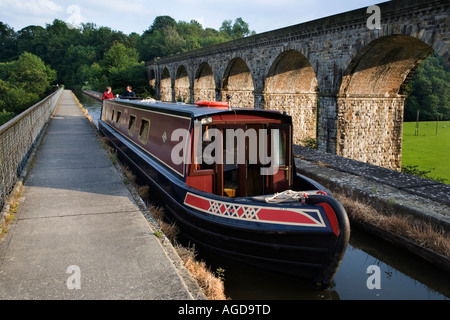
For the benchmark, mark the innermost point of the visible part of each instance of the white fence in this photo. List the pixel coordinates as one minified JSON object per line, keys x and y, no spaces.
{"x":17,"y":139}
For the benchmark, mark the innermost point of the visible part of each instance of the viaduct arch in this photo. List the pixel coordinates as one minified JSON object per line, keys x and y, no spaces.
{"x":342,"y":82}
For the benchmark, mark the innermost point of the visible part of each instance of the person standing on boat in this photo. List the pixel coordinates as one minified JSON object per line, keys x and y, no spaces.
{"x":107,"y":94}
{"x":128,"y":93}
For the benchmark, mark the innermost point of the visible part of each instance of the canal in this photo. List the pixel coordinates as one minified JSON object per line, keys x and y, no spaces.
{"x":371,"y":270}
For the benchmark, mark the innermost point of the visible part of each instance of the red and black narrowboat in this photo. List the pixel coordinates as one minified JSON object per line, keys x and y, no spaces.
{"x":227,"y":177}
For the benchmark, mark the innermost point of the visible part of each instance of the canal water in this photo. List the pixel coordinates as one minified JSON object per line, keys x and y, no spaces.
{"x":371,"y":270}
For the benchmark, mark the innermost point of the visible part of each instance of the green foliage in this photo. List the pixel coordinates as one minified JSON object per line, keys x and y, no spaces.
{"x":119,"y":57}
{"x":162,"y":23}
{"x":310,"y":143}
{"x":220,"y":273}
{"x":14,"y":100}
{"x":23,"y":82}
{"x":239,"y":29}
{"x":30,"y":73}
{"x":8,"y":43}
{"x":118,"y":68}
{"x":414,"y":170}
{"x":95,"y":57}
{"x":429,"y":91}
{"x":5,"y":116}
{"x":166,"y":37}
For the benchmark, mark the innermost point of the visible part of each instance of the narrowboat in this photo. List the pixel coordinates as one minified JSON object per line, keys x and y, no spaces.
{"x":227,"y":178}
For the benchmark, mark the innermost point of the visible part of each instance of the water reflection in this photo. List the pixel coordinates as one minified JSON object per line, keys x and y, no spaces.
{"x":93,"y":106}
{"x":402,"y":276}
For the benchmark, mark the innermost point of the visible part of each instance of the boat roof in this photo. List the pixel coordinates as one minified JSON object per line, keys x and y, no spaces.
{"x":193,"y":110}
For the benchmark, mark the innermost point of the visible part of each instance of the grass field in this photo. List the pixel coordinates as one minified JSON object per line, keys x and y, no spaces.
{"x":428,"y":151}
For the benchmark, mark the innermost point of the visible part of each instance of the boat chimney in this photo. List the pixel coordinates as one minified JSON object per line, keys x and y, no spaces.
{"x":229,"y":102}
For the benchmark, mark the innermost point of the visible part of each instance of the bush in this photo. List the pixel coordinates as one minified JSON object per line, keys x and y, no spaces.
{"x":26,"y":82}
{"x":5,"y":116}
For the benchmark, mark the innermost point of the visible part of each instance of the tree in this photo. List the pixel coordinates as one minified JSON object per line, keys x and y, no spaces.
{"x":134,"y":76}
{"x":212,"y":36}
{"x":239,"y":29}
{"x":97,"y":79}
{"x":152,"y":43}
{"x":227,"y":27}
{"x":191,"y":33}
{"x":118,"y":68}
{"x":162,"y":22}
{"x":119,"y":57}
{"x":30,"y":73}
{"x":77,"y":59}
{"x":15,"y":100}
{"x":5,"y":116}
{"x":26,"y":39}
{"x":166,"y":36}
{"x":24,"y":82}
{"x":94,"y":57}
{"x":8,"y":43}
{"x":428,"y":91}
{"x":173,"y":43}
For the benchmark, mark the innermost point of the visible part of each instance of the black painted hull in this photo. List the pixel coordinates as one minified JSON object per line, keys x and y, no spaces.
{"x":300,"y":251}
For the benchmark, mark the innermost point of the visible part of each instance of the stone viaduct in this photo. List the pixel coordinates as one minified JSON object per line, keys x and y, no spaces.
{"x":342,"y":80}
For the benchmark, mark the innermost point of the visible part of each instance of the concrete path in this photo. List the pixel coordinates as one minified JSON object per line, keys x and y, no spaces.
{"x":78,"y":233}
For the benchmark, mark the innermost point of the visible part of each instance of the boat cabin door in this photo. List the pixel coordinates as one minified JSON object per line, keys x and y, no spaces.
{"x":247,"y":155}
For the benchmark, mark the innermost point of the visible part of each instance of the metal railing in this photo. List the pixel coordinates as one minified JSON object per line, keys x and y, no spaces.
{"x":18,"y":138}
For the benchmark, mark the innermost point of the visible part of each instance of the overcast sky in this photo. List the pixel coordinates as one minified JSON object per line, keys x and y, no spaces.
{"x":138,"y":15}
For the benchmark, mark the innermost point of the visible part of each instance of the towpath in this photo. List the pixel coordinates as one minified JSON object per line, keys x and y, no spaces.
{"x":78,"y":233}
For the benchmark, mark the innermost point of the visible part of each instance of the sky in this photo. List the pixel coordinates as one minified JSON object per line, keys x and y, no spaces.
{"x":138,"y":15}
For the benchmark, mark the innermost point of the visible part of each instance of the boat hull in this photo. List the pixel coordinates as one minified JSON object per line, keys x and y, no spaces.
{"x":312,"y":250}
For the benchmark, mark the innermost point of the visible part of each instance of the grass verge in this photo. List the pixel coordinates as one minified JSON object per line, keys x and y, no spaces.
{"x":9,"y":211}
{"x":422,"y":233}
{"x":427,"y":152}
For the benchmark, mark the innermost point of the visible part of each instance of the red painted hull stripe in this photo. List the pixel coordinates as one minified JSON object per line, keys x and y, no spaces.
{"x":197,"y":202}
{"x":284,"y":216}
{"x":332,"y":218}
{"x":255,"y":213}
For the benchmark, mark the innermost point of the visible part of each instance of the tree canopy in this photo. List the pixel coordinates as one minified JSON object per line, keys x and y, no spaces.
{"x":91,"y":57}
{"x":23,"y":82}
{"x":429,"y":91}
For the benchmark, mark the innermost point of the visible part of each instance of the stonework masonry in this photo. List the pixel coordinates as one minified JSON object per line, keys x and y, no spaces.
{"x":343,"y":83}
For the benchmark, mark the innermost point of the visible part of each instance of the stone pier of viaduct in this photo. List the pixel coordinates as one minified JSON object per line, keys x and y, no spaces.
{"x":342,"y":81}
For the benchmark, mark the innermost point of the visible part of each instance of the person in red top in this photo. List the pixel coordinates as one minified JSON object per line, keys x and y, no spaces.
{"x":108,"y":94}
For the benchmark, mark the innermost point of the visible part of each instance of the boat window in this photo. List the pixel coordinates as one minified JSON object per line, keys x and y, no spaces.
{"x":281,"y":179}
{"x":201,"y":161}
{"x":131,"y":125}
{"x":282,"y":148}
{"x":118,"y":116}
{"x":231,"y":169}
{"x":112,"y":116}
{"x":144,"y":130}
